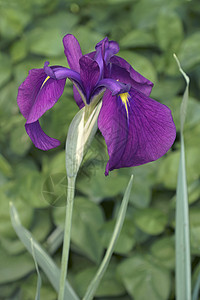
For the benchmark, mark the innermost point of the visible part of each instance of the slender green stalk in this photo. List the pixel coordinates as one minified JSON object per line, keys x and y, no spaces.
{"x":67,"y":234}
{"x":183,"y":261}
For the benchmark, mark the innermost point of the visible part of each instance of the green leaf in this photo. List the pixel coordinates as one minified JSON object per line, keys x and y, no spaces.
{"x":39,"y":279}
{"x":169,"y":31}
{"x":196,"y":282}
{"x":110,"y":285}
{"x":86,"y":221}
{"x":169,"y":165}
{"x":19,"y":50}
{"x":151,"y":220}
{"x":26,"y":214}
{"x":29,"y":188}
{"x":101,"y":186}
{"x":91,"y":290}
{"x":14,"y":267}
{"x":13,"y":21}
{"x":28,"y":287}
{"x":5,"y":166}
{"x":43,"y":259}
{"x":47,"y":42}
{"x":145,"y":280}
{"x":19,"y":140}
{"x":163,"y":251}
{"x":6,"y":68}
{"x":189,"y":52}
{"x":87,"y":38}
{"x":145,"y":12}
{"x":126,"y":239}
{"x":195,"y":230}
{"x":137,"y":38}
{"x":183,"y":261}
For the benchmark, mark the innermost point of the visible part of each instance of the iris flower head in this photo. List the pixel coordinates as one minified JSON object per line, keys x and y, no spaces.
{"x":136,"y":128}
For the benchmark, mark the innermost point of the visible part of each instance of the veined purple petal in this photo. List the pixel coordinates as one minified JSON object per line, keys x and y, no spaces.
{"x":89,"y":71}
{"x":29,"y":89}
{"x":72,"y":51}
{"x":39,"y":138}
{"x":114,"y":86}
{"x":139,"y":82}
{"x":48,"y":94}
{"x":142,"y":136}
{"x":111,"y":124}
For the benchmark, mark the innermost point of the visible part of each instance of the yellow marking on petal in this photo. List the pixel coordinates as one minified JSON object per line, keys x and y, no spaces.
{"x":124,"y":97}
{"x":45,"y":81}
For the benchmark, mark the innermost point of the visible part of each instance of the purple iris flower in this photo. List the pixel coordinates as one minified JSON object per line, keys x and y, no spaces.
{"x":136,"y":128}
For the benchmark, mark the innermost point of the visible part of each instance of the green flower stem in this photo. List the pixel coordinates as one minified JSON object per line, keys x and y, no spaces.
{"x":67,"y":234}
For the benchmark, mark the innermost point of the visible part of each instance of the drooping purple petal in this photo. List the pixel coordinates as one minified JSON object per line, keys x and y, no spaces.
{"x":143,"y":135}
{"x":112,"y":123}
{"x":39,"y":138}
{"x":140,"y":82}
{"x":29,"y":89}
{"x":89,"y":71}
{"x":48,"y":94}
{"x":72,"y":51}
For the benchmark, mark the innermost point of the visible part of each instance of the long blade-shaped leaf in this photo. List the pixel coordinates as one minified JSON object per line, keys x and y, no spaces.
{"x":42,"y":258}
{"x":118,"y":226}
{"x":183,"y":264}
{"x":39,"y":280}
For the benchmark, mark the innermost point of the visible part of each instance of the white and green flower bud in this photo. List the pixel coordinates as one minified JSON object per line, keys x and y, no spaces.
{"x":80,"y":134}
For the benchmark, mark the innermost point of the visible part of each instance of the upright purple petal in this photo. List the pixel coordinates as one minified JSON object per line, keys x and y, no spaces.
{"x":113,"y":48}
{"x":107,"y":49}
{"x":144,"y":134}
{"x":72,"y":51}
{"x":39,"y":138}
{"x":89,"y":71}
{"x":104,"y":51}
{"x":29,"y":89}
{"x":49,"y":93}
{"x":139,"y":82}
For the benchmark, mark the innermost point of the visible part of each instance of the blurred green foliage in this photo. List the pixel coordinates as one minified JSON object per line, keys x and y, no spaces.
{"x":148,"y":32}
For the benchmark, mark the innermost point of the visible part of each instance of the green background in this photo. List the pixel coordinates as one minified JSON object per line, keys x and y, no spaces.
{"x":142,"y":267}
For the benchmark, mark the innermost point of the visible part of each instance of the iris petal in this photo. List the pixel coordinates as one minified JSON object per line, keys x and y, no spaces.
{"x":112,"y":123}
{"x":29,"y":89}
{"x":145,"y":136}
{"x":119,"y":68}
{"x":47,"y":96}
{"x":72,"y":51}
{"x":114,"y":86}
{"x":39,"y":138}
{"x":89,"y":71}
